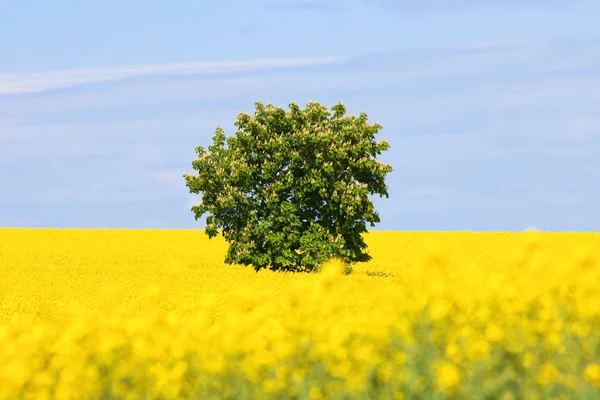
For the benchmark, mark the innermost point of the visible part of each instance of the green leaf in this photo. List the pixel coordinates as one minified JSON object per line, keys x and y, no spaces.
{"x":290,"y":188}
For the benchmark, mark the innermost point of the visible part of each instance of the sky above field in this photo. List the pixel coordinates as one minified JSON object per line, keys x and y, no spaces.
{"x":490,"y":107}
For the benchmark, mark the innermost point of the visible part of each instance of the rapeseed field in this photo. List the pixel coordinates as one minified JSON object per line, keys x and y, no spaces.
{"x":150,"y":314}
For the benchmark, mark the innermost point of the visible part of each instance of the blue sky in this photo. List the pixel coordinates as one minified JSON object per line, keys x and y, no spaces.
{"x":491,"y":107}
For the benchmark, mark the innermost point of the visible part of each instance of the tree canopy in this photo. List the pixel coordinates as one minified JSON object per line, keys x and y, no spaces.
{"x":291,"y":188}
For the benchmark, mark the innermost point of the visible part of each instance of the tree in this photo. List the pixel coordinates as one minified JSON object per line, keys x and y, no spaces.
{"x":290,"y":189}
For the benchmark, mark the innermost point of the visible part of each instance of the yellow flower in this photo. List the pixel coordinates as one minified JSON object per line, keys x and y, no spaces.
{"x":528,"y":359}
{"x":299,"y":374}
{"x":453,"y":352}
{"x":581,"y":328}
{"x":315,"y":393}
{"x":592,"y":374}
{"x":439,"y":309}
{"x":398,"y":396}
{"x":270,"y":386}
{"x":494,"y":333}
{"x":200,"y":314}
{"x":333,"y":268}
{"x":16,"y":372}
{"x":554,"y":341}
{"x":478,"y":349}
{"x":447,"y":375}
{"x":384,"y":373}
{"x":548,"y":374}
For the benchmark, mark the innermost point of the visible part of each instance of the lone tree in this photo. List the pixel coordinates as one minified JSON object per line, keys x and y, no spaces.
{"x":290,"y":189}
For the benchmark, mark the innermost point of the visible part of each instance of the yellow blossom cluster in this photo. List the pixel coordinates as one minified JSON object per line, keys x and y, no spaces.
{"x":155,"y":314}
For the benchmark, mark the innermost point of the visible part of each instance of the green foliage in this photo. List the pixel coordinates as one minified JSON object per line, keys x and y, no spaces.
{"x":290,"y":189}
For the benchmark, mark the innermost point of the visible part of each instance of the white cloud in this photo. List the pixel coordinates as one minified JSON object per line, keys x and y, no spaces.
{"x":488,"y":124}
{"x":36,"y":82}
{"x":532,"y":229}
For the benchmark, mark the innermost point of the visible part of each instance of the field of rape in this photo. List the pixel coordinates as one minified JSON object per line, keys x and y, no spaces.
{"x":149,"y":314}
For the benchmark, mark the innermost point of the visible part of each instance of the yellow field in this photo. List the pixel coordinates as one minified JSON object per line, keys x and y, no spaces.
{"x":105,"y":314}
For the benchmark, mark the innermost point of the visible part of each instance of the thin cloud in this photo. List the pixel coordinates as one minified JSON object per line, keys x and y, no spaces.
{"x":36,"y":82}
{"x":488,"y":124}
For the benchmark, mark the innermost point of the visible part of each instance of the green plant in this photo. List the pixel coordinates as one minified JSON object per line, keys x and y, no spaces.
{"x":290,"y":189}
